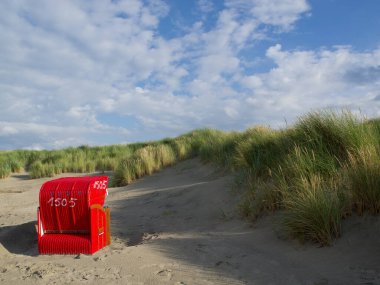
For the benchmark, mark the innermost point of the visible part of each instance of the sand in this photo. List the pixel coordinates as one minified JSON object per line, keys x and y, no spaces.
{"x":181,"y":226}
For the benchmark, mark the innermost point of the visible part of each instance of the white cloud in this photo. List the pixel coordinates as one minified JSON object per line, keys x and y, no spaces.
{"x":39,"y":135}
{"x":252,"y":82}
{"x":282,"y":13}
{"x":61,"y":61}
{"x":278,"y":13}
{"x":306,"y":80}
{"x":205,"y":6}
{"x":6,"y":130}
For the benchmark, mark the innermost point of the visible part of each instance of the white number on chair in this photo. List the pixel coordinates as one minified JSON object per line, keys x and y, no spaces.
{"x":100,"y":184}
{"x":62,"y":202}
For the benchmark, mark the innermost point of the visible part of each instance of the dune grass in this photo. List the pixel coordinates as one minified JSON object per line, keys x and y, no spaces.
{"x":143,"y":162}
{"x":318,"y":171}
{"x":9,"y":163}
{"x":363,"y":173}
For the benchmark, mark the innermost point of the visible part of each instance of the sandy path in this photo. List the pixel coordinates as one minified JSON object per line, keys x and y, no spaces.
{"x":180,"y":226}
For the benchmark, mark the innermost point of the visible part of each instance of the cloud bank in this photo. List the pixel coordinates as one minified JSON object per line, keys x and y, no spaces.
{"x":102,"y":72}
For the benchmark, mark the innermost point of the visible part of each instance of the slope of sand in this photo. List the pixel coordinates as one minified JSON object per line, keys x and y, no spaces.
{"x":180,"y":226}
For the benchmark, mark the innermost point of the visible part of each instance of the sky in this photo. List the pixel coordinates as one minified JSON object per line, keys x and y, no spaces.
{"x":100,"y":72}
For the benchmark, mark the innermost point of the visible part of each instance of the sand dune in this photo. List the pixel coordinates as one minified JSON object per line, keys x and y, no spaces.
{"x":180,"y":226}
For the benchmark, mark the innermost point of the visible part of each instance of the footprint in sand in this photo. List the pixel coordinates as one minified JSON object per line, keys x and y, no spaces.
{"x":97,"y":274}
{"x":367,"y":275}
{"x":166,"y":273}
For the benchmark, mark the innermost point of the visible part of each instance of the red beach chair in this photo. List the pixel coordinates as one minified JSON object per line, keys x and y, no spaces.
{"x":71,"y":217}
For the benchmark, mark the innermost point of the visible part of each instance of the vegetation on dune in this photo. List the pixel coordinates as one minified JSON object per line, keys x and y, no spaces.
{"x":317,"y":171}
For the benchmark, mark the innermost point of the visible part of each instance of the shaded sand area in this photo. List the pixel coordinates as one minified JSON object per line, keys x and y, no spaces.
{"x":180,"y":226}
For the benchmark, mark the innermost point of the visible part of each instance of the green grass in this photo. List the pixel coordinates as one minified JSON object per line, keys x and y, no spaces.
{"x":363,"y":175}
{"x":314,"y":210}
{"x":144,"y":161}
{"x":317,"y":171}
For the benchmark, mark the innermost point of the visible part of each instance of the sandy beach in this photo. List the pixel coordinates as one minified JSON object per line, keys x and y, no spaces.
{"x":181,"y":226}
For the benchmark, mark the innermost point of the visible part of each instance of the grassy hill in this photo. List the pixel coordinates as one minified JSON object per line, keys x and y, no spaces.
{"x":318,"y":171}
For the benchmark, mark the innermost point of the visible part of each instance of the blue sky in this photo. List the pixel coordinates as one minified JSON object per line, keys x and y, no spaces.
{"x":106,"y":72}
